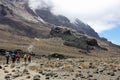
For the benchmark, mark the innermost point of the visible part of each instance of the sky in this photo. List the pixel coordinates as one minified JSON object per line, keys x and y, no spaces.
{"x":102,"y":15}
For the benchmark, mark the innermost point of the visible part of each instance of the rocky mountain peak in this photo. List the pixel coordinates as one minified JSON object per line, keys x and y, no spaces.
{"x":5,"y":10}
{"x":60,"y":20}
{"x":80,"y":26}
{"x":20,"y":9}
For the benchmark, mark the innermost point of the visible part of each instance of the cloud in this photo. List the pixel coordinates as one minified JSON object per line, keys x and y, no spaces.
{"x":101,"y":15}
{"x":38,"y":4}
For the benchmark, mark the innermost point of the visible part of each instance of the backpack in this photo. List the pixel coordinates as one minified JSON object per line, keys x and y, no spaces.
{"x":7,"y":54}
{"x":25,"y":56}
{"x":18,"y":56}
{"x":13,"y":55}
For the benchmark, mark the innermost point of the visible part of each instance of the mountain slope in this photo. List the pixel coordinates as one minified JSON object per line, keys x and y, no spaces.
{"x":14,"y":15}
{"x":60,"y":20}
{"x":23,"y":28}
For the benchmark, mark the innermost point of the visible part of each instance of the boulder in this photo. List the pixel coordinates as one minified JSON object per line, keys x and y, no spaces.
{"x":36,"y":77}
{"x":0,"y":67}
{"x":6,"y":71}
{"x":7,"y":77}
{"x":15,"y":75}
{"x":56,"y":55}
{"x":28,"y":77}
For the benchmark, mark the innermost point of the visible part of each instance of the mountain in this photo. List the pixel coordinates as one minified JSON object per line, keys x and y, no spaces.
{"x":20,"y":9}
{"x":42,"y":32}
{"x":61,"y":20}
{"x":17,"y":18}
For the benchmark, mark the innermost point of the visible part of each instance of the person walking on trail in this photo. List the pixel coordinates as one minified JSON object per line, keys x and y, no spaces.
{"x":18,"y":58}
{"x":25,"y":58}
{"x":13,"y":57}
{"x":29,"y":58}
{"x":7,"y":57}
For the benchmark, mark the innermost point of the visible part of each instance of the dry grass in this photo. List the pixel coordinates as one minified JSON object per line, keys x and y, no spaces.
{"x":47,"y":46}
{"x":36,"y":68}
{"x":68,"y":67}
{"x":85,"y":65}
{"x":76,"y":74}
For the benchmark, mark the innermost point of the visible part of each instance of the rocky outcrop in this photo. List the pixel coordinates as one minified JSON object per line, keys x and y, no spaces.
{"x":5,"y":10}
{"x":74,"y":39}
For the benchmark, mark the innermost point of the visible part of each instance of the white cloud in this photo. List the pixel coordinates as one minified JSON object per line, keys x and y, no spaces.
{"x":35,"y":4}
{"x":99,"y":14}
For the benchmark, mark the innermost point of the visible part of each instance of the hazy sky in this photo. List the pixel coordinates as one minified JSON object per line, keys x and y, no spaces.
{"x":101,"y":15}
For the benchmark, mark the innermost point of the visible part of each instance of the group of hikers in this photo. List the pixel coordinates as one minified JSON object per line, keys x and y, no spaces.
{"x":15,"y":57}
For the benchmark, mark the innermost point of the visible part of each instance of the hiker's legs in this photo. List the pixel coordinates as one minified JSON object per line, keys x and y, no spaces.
{"x":29,"y":60}
{"x":13,"y":60}
{"x":7,"y":60}
{"x":25,"y":60}
{"x":18,"y":61}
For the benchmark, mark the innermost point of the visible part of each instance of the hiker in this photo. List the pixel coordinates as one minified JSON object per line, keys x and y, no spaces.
{"x":13,"y":56}
{"x":29,"y":58}
{"x":7,"y":57}
{"x":25,"y":57}
{"x":18,"y":57}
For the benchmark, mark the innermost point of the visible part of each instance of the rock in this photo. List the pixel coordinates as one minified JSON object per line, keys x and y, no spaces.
{"x":111,"y":73}
{"x":25,"y":71}
{"x":47,"y":78}
{"x":3,"y":68}
{"x":41,"y":72}
{"x":48,"y":74}
{"x":96,"y":71}
{"x":6,"y":66}
{"x":56,"y":75}
{"x":92,"y":42}
{"x":0,"y":67}
{"x":15,"y":75}
{"x":36,"y":77}
{"x":6,"y":71}
{"x":5,"y":10}
{"x":17,"y":71}
{"x":90,"y":75}
{"x":114,"y":70}
{"x":13,"y":70}
{"x":7,"y":77}
{"x":56,"y":55}
{"x":118,"y":69}
{"x":12,"y":66}
{"x":73,"y":79}
{"x":28,"y":77}
{"x":18,"y":67}
{"x":21,"y":74}
{"x":118,"y":78}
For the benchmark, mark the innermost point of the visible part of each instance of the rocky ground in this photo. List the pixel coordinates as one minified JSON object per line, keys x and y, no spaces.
{"x":62,"y":69}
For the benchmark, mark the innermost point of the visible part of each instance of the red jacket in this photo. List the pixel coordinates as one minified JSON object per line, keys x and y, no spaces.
{"x":18,"y":55}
